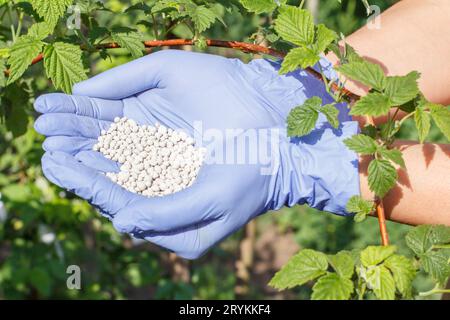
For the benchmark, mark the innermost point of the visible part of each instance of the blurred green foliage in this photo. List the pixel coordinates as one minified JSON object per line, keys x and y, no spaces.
{"x":43,"y":229}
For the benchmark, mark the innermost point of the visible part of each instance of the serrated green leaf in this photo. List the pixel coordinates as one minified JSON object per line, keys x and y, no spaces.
{"x":441,"y":234}
{"x":52,"y":10}
{"x":441,"y":116}
{"x":22,"y":53}
{"x":359,"y":217}
{"x":298,"y":57}
{"x":382,"y":177}
{"x":260,"y":6}
{"x":324,"y":37}
{"x":419,"y":239}
{"x":436,"y":263}
{"x":202,"y":17}
{"x":400,"y":90}
{"x":367,"y":73}
{"x":332,"y":287}
{"x":422,"y":238}
{"x":362,"y":208}
{"x":351,"y":55}
{"x":295,"y":25}
{"x":403,"y":271}
{"x":331,"y":113}
{"x":423,"y":123}
{"x":132,"y":41}
{"x":63,"y":65}
{"x":361,"y":144}
{"x":40,"y":30}
{"x":302,"y":119}
{"x":305,"y":266}
{"x":373,"y":104}
{"x":374,"y":255}
{"x":343,"y":264}
{"x":393,"y":155}
{"x":382,"y":283}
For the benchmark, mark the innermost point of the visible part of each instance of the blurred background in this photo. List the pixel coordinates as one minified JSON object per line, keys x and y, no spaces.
{"x":43,"y":229}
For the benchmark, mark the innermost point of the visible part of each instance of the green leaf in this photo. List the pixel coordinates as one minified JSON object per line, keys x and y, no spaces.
{"x":373,"y":104}
{"x":441,"y":116}
{"x":360,"y":217}
{"x":374,"y":255}
{"x":361,"y":144}
{"x":15,"y":104}
{"x":436,"y":263}
{"x":305,"y":266}
{"x":393,"y":155}
{"x":441,"y":234}
{"x":52,"y":10}
{"x":367,"y":73}
{"x":63,"y":65}
{"x":343,"y":264}
{"x":260,"y":6}
{"x":403,"y":271}
{"x":41,"y":280}
{"x":422,"y":238}
{"x":362,"y":208}
{"x":132,"y":41}
{"x":400,"y":90}
{"x":382,"y":283}
{"x":370,"y":130}
{"x":324,"y":37}
{"x":40,"y":30}
{"x":382,"y":177}
{"x":332,"y":287}
{"x":298,"y":57}
{"x":203,"y":18}
{"x":331,"y":113}
{"x":295,"y":25}
{"x":302,"y":119}
{"x":351,"y":55}
{"x":22,"y":53}
{"x":423,"y":123}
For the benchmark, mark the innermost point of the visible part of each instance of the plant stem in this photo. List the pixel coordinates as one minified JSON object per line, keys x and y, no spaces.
{"x":19,"y":24}
{"x":155,"y":26}
{"x":409,"y":115}
{"x":441,"y":246}
{"x":435,"y":290}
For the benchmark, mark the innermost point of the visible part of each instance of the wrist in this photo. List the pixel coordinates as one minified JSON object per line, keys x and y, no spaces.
{"x":319,"y":170}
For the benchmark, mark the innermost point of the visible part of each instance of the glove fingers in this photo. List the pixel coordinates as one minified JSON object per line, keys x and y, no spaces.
{"x":70,"y":145}
{"x":128,"y":79}
{"x":190,"y":243}
{"x":65,"y":124}
{"x":174,"y":211}
{"x":97,"y":161}
{"x":65,"y":171}
{"x":83,"y":106}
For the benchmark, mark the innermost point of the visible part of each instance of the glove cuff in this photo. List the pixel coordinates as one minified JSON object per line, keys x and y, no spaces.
{"x":319,"y":170}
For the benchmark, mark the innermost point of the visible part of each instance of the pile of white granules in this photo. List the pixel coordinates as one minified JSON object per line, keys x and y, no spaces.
{"x":155,"y":160}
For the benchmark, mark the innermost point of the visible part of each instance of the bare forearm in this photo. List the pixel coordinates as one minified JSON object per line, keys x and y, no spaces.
{"x":422,"y":195}
{"x":414,"y":35}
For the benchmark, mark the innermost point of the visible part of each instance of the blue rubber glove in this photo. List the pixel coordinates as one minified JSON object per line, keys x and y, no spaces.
{"x":181,"y":89}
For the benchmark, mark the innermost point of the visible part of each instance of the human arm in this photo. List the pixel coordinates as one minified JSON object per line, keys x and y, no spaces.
{"x":422,"y":194}
{"x":414,"y":35}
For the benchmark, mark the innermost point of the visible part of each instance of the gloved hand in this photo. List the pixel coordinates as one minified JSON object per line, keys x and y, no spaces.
{"x":177,"y":89}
